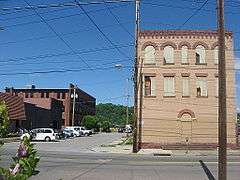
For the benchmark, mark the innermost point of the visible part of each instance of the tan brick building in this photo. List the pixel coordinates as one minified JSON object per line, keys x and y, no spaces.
{"x":180,"y":85}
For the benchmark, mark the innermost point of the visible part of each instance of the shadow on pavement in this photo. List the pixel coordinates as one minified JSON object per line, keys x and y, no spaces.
{"x":207,"y":171}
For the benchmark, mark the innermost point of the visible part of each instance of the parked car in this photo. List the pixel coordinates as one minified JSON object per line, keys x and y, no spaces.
{"x":75,"y":129}
{"x":128,"y":129}
{"x":26,"y":134}
{"x":68,"y":133}
{"x":121,"y":129}
{"x":85,"y":131}
{"x":62,"y":135}
{"x":43,"y":134}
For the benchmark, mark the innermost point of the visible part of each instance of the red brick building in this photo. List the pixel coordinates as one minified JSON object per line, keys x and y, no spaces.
{"x":30,"y":113}
{"x":84,"y":103}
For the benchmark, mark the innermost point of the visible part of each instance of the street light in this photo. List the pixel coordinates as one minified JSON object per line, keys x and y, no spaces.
{"x":74,"y":96}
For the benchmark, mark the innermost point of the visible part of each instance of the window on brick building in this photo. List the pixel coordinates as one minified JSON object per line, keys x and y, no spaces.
{"x":200,"y":55}
{"x":58,"y":95}
{"x":169,"y":87}
{"x":184,"y":53}
{"x":63,"y":96}
{"x":149,"y":54}
{"x":150,"y":86}
{"x":202,"y":87}
{"x":215,"y":55}
{"x":168,"y":55}
{"x":185,"y":86}
{"x":31,"y":95}
{"x":47,"y":94}
{"x":42,"y":94}
{"x":26,"y":95}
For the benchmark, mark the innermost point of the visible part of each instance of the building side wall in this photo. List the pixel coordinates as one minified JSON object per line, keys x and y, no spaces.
{"x":160,"y":122}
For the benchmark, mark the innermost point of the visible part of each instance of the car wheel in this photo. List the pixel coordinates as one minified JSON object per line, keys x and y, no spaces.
{"x":47,"y":139}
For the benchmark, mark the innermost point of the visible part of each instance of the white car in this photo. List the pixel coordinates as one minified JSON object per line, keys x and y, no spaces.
{"x":43,"y":134}
{"x":25,"y":135}
{"x":75,"y":129}
{"x":85,"y":131}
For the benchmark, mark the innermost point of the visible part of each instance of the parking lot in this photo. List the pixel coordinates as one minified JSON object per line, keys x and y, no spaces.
{"x":78,"y":144}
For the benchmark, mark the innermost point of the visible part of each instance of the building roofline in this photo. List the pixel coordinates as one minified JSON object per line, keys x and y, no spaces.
{"x":182,"y":33}
{"x":47,"y":89}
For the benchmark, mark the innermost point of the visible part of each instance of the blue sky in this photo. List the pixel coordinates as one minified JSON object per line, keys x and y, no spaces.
{"x":29,"y":45}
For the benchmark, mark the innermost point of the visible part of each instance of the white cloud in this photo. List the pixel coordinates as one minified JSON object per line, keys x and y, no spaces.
{"x":238,"y":109}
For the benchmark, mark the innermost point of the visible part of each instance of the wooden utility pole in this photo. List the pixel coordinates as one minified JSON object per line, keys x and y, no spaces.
{"x":135,"y":125}
{"x":127,"y":109}
{"x":222,"y":112}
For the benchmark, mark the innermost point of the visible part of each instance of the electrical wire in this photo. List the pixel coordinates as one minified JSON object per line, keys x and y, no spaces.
{"x":99,"y":29}
{"x":194,"y":14}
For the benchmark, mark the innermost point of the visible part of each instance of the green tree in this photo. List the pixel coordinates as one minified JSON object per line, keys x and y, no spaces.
{"x":90,"y":122}
{"x":114,"y":114}
{"x":105,"y":125}
{"x":4,"y":120}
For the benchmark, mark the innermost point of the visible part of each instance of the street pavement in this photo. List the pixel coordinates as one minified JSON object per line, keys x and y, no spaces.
{"x":74,"y":159}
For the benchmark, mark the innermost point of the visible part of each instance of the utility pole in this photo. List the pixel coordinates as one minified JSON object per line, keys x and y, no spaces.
{"x":74,"y":102}
{"x":222,"y":129}
{"x":127,"y":110}
{"x":135,"y":127}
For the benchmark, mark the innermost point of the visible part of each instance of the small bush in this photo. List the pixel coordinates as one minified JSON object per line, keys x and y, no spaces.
{"x":4,"y":120}
{"x":25,"y":163}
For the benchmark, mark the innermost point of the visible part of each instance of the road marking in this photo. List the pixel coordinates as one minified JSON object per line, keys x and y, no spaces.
{"x":104,"y":160}
{"x":176,"y":163}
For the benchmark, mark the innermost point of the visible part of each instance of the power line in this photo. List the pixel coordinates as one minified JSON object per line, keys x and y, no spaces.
{"x":118,"y":21}
{"x":56,"y":18}
{"x":59,"y":71}
{"x":59,"y":5}
{"x":53,"y":30}
{"x":184,"y":7}
{"x":98,"y":28}
{"x":62,"y":34}
{"x":42,"y":56}
{"x":195,"y":13}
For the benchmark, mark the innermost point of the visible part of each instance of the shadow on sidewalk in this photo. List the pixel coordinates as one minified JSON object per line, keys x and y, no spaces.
{"x":207,"y":171}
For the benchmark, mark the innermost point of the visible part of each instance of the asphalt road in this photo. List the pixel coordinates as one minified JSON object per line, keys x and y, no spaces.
{"x":81,"y":163}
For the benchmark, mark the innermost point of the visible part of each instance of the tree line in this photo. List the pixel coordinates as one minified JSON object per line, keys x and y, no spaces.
{"x":108,"y":115}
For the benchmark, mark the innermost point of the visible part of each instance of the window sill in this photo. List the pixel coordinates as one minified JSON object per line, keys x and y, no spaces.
{"x":201,"y":64}
{"x":168,"y":63}
{"x":150,"y":96}
{"x":185,"y":96}
{"x":184,"y":63}
{"x":170,"y":96}
{"x":202,"y":96}
{"x":149,"y":64}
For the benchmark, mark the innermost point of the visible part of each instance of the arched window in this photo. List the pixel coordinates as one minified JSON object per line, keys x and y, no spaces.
{"x":168,"y":54}
{"x":184,"y":52}
{"x":149,"y":54}
{"x":215,"y":55}
{"x":200,"y":54}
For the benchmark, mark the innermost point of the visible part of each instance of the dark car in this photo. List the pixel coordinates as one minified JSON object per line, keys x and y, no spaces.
{"x":121,"y":129}
{"x":61,"y":135}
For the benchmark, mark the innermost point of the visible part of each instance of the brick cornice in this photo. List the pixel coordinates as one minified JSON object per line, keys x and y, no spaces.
{"x":193,"y":33}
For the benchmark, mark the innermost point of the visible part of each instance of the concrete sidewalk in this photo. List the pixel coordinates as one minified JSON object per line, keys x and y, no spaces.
{"x":119,"y":148}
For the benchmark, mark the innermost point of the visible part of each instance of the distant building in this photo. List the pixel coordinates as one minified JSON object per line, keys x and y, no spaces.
{"x":179,"y":70}
{"x":29,"y":114}
{"x":50,"y":98}
{"x":16,"y":109}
